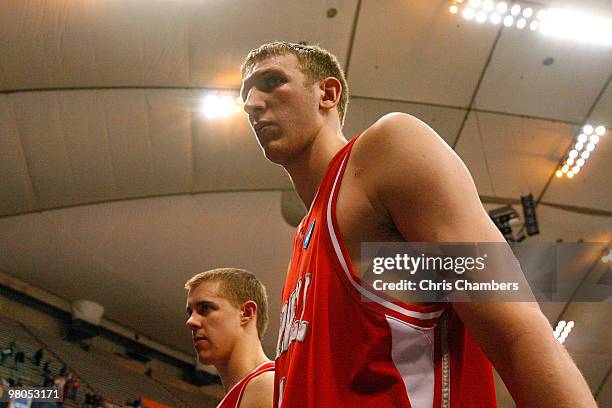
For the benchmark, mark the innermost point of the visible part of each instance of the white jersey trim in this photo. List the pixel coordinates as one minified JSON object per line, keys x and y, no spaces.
{"x":243,"y":388}
{"x":363,"y":291}
{"x":412,"y":351}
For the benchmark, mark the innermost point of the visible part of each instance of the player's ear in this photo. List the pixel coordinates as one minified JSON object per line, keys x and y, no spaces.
{"x":331,"y":90}
{"x":248,"y":311}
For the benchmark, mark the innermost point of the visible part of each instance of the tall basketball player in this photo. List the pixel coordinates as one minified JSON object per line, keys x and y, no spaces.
{"x":397,"y":181}
{"x":227,"y":316}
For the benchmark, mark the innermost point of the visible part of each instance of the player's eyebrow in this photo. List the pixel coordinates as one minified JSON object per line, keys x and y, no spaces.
{"x":248,"y":82}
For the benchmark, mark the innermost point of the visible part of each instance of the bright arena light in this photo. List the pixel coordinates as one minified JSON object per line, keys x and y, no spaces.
{"x":556,"y":22}
{"x":600,"y":130}
{"x":563,"y":330}
{"x":541,"y":14}
{"x":215,"y":106}
{"x":239,"y":104}
{"x":502,"y":7}
{"x":468,"y":13}
{"x":584,"y":144}
{"x":577,"y":25}
{"x":488,"y":5}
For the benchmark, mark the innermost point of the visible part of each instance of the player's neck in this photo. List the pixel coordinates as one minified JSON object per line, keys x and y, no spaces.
{"x":308,"y":171}
{"x":242,"y":361}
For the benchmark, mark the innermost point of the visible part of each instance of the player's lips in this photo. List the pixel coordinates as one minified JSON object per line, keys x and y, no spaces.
{"x":199,"y":340}
{"x":260,"y":125}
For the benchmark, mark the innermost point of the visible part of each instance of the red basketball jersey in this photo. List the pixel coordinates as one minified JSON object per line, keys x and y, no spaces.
{"x":234,"y":396}
{"x":342,"y":344}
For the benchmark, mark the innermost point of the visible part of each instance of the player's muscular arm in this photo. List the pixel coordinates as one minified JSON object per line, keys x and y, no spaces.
{"x":430,"y":196}
{"x":259,"y":392}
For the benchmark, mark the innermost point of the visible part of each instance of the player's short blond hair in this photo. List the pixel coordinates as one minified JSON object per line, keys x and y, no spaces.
{"x":315,"y":62}
{"x":237,"y":286}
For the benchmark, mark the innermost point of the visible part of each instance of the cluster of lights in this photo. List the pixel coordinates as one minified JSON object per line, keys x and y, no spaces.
{"x":555,"y":22}
{"x":563,"y":330}
{"x":496,"y":13}
{"x":220,"y":106}
{"x":583,"y":148}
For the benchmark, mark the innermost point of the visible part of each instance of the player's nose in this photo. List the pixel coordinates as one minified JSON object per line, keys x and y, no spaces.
{"x":254,"y":105}
{"x":192,"y":323}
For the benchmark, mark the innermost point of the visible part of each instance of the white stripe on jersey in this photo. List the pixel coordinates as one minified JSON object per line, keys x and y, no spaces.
{"x":412,"y":351}
{"x":363,"y":291}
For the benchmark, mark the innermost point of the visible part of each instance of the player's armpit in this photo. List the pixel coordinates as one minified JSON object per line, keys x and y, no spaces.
{"x":259,"y":392}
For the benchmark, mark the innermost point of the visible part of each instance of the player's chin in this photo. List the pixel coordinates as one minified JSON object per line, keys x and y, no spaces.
{"x":275,"y":153}
{"x":205,"y":357}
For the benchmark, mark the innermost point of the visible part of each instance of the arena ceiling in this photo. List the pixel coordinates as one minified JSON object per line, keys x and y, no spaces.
{"x":116,"y":187}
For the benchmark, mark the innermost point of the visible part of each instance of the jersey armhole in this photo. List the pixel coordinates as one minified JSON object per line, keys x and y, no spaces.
{"x":422,"y":316}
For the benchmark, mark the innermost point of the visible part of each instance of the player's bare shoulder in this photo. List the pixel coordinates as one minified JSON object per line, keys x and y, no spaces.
{"x":259,"y":392}
{"x":399,"y":145}
{"x":394,"y":127}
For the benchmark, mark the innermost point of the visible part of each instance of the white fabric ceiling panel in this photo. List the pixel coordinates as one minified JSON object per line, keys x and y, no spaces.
{"x":228,"y":157}
{"x":88,"y":146}
{"x":593,"y":366}
{"x":140,"y":153}
{"x":602,"y":114}
{"x":364,"y":112}
{"x":222,"y":33}
{"x":591,"y":187}
{"x":83,"y":133}
{"x":41,"y":129}
{"x":134,"y":256}
{"x":593,"y":328}
{"x":68,"y":43}
{"x":517,"y":81}
{"x":417,"y":51}
{"x":605,"y":393}
{"x":97,"y":145}
{"x":560,"y":224}
{"x":521,"y":154}
{"x":15,"y":183}
{"x":153,"y":43}
{"x":169,"y":125}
